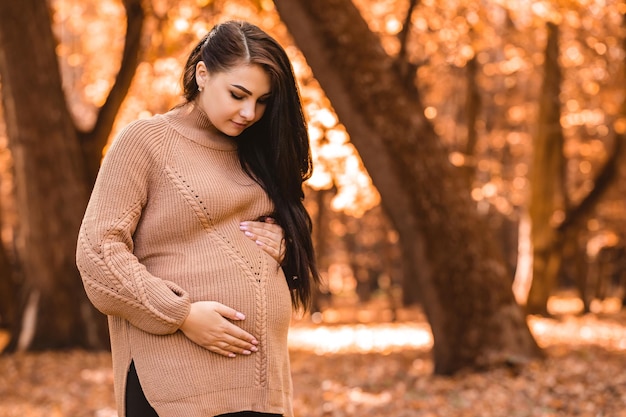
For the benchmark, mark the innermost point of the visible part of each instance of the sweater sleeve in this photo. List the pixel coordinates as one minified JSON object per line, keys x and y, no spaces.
{"x":114,"y":279}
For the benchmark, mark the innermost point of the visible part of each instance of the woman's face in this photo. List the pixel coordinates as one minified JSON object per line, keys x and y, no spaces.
{"x":233,"y":100}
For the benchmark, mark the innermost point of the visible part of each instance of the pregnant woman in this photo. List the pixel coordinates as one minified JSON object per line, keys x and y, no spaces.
{"x":196,"y":243}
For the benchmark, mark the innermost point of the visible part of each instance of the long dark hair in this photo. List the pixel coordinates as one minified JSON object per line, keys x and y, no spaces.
{"x":275,"y":150}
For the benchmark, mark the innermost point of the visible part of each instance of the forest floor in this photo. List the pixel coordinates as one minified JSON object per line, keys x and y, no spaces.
{"x":354,"y":364}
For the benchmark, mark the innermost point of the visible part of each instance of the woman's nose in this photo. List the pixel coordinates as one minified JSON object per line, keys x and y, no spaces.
{"x":247,"y":111}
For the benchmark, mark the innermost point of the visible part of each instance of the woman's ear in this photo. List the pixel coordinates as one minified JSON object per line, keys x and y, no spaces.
{"x":202,"y":74}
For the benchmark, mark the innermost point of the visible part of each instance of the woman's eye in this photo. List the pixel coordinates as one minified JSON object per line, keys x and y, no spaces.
{"x":236,"y":97}
{"x":263,"y":100}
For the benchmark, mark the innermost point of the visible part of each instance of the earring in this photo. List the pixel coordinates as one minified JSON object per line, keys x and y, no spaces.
{"x":199,"y":89}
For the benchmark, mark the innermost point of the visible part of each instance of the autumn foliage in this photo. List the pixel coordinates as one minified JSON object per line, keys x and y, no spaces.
{"x":496,"y":84}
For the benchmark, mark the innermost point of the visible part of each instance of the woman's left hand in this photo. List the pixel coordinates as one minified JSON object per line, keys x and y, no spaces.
{"x":268,"y":235}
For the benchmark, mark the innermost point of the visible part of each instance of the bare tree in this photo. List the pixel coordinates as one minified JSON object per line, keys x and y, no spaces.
{"x":552,"y":214}
{"x":465,"y":287}
{"x":54,"y":169}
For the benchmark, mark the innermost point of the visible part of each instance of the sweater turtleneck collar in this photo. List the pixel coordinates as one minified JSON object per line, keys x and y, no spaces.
{"x":192,"y":122}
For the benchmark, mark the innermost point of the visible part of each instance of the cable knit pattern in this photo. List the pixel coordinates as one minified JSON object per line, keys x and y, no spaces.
{"x":162,"y":231}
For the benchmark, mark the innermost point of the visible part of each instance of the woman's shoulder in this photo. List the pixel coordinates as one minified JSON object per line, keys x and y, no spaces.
{"x":147,"y":126}
{"x":143,"y":133}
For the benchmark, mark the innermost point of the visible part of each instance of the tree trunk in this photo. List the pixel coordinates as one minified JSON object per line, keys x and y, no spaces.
{"x":472,"y":110}
{"x":54,"y":170}
{"x":7,"y":290}
{"x":465,"y":288}
{"x":546,"y":182}
{"x":551,"y":216}
{"x":50,"y":184}
{"x":321,"y":220}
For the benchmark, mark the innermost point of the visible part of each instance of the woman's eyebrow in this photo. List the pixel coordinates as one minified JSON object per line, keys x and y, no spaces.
{"x":245,"y":90}
{"x":242,"y":88}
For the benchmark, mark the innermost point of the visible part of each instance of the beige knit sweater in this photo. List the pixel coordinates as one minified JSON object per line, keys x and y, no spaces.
{"x":162,"y":231}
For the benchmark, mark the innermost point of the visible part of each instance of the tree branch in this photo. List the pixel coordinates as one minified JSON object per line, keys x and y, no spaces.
{"x":94,"y":140}
{"x":609,"y":171}
{"x":405,"y":66}
{"x":403,"y":36}
{"x":601,"y":183}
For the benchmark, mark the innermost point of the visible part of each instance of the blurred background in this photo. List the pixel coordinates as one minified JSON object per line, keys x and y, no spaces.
{"x":469,"y":158}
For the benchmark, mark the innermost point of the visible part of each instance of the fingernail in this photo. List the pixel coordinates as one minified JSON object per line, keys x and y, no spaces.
{"x":249,"y":234}
{"x":258,"y":242}
{"x":231,"y":355}
{"x":254,"y":342}
{"x":254,"y":349}
{"x":243,"y":225}
{"x":240,"y":316}
{"x":246,"y":352}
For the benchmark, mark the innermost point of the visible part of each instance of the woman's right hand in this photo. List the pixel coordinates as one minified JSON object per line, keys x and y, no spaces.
{"x":207,"y":326}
